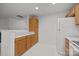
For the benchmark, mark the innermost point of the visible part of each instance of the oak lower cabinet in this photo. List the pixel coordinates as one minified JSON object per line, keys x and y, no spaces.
{"x":33,"y":40}
{"x":22,"y":44}
{"x":28,"y":42}
{"x":66,"y":47}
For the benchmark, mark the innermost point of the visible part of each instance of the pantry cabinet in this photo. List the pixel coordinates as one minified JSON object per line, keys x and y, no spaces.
{"x":33,"y":27}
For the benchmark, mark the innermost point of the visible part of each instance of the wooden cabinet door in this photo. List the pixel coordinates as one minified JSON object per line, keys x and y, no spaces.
{"x":28,"y":42}
{"x":33,"y":40}
{"x":77,"y":14}
{"x":20,"y":46}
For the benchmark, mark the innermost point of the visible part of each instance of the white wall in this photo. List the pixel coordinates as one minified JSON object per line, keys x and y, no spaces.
{"x":4,"y":24}
{"x":14,"y":23}
{"x":18,"y":24}
{"x":47,"y":28}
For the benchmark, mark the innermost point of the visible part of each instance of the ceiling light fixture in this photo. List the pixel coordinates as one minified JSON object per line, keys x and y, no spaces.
{"x":36,"y":8}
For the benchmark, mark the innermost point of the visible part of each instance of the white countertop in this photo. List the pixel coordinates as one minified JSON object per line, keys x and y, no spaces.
{"x":72,"y":43}
{"x":73,"y":38}
{"x":20,"y":33}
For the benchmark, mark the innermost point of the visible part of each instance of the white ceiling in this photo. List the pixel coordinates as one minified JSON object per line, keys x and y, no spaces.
{"x":13,"y":9}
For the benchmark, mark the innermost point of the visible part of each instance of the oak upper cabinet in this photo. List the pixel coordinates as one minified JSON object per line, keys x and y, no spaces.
{"x":74,"y":12}
{"x":77,"y":14}
{"x":33,"y":27}
{"x":71,"y":13}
